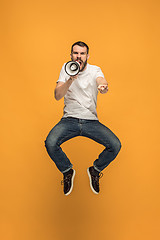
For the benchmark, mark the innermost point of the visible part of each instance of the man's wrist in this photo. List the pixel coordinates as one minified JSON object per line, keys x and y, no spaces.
{"x":70,"y":80}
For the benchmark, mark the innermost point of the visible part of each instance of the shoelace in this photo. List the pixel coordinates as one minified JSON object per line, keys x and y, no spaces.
{"x":66,"y":179}
{"x":101,"y":175}
{"x":97,"y":177}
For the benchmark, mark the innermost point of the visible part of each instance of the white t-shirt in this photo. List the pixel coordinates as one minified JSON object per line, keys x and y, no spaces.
{"x":80,"y":100}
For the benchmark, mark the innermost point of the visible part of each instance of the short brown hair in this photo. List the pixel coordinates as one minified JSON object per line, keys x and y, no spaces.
{"x":81,"y":44}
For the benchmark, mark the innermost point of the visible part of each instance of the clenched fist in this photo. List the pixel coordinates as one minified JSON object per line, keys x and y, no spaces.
{"x":103,"y":88}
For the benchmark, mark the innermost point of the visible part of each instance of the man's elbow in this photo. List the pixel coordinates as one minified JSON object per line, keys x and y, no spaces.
{"x":57,"y":96}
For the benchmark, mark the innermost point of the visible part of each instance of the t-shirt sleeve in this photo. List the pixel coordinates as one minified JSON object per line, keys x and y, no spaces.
{"x":99,"y":73}
{"x":63,"y":76}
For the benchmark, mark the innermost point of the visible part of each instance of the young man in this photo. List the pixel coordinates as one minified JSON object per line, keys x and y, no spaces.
{"x":80,"y":118}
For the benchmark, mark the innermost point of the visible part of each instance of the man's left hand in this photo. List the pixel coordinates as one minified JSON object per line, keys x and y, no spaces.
{"x":103,"y":88}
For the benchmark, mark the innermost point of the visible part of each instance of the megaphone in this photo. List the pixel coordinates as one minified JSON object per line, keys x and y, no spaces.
{"x":72,"y":68}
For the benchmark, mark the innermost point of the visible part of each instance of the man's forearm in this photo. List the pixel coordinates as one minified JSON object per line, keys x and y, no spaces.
{"x":60,"y":91}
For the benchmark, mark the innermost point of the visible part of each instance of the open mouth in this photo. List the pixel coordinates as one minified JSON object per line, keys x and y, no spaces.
{"x":80,"y":62}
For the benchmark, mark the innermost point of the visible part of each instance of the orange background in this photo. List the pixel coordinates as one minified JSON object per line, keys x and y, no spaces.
{"x":36,"y":37}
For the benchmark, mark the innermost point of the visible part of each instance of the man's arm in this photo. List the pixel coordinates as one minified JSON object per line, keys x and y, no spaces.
{"x":62,"y":88}
{"x":102,"y":84}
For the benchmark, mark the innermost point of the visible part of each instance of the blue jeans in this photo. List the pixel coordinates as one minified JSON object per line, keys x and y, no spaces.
{"x":69,"y":128}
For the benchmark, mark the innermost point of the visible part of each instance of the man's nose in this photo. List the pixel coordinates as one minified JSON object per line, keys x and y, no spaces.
{"x":79,"y":55}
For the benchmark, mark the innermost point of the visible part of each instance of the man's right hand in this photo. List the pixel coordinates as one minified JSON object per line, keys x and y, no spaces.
{"x":72,"y":78}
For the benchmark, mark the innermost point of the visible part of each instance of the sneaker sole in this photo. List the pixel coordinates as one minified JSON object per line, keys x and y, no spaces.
{"x":74,"y":172}
{"x":90,"y":180}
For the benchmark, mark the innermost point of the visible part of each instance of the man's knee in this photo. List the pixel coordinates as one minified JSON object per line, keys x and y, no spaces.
{"x":117,"y":146}
{"x":50,"y":142}
{"x":114,"y":146}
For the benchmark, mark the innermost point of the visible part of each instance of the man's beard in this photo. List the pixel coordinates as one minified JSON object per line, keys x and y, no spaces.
{"x":84,"y":65}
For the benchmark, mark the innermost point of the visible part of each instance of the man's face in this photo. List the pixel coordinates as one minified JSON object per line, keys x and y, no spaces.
{"x":80,"y":54}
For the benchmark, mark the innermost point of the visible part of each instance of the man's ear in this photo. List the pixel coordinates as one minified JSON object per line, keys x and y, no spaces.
{"x":87,"y":56}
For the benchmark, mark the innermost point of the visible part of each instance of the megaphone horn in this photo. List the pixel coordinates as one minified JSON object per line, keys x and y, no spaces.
{"x":72,"y":68}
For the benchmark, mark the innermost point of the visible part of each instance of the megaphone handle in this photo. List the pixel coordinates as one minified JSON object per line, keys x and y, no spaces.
{"x":73,"y":77}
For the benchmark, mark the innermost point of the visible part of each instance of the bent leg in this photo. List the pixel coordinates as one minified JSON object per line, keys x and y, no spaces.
{"x":103,"y":135}
{"x":62,"y":132}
